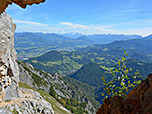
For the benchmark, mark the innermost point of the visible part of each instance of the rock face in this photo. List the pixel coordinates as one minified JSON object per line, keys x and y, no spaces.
{"x":22,"y":3}
{"x":9,"y":71}
{"x":28,"y":75}
{"x":138,"y":101}
{"x":9,"y":67}
{"x":30,"y":103}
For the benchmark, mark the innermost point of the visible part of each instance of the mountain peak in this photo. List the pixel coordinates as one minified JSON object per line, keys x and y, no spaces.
{"x":89,"y":72}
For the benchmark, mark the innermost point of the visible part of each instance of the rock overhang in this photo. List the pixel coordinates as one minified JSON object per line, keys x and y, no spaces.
{"x":22,"y":3}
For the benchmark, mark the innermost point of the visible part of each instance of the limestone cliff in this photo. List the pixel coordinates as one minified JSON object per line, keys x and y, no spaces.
{"x":22,"y":3}
{"x":138,"y":101}
{"x":30,"y":103}
{"x":9,"y":71}
{"x":8,"y":57}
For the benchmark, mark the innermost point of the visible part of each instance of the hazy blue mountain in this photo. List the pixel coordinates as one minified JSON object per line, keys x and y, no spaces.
{"x":88,"y":64}
{"x":108,"y":38}
{"x":72,"y":34}
{"x":35,"y":44}
{"x":136,"y":48}
{"x":105,"y":55}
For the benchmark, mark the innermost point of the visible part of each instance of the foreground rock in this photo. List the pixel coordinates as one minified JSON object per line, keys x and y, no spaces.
{"x":22,"y":3}
{"x":9,"y":71}
{"x":30,"y":103}
{"x":138,"y":101}
{"x":8,"y":65}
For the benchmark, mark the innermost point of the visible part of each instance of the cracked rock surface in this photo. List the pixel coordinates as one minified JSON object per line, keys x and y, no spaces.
{"x":30,"y":103}
{"x":8,"y":55}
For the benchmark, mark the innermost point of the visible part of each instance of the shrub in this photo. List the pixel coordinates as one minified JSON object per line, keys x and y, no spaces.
{"x":52,"y":92}
{"x":121,"y":82}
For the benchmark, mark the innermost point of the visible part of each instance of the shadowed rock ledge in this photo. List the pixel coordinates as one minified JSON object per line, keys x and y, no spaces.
{"x":138,"y":101}
{"x":22,"y":3}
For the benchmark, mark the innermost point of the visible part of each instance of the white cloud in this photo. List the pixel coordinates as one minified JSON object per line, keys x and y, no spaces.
{"x":139,"y":31}
{"x":73,"y":25}
{"x":32,"y":27}
{"x":30,"y":23}
{"x":66,"y":27}
{"x":86,"y":29}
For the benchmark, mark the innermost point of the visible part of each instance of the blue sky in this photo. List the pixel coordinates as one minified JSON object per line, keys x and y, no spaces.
{"x":85,"y":16}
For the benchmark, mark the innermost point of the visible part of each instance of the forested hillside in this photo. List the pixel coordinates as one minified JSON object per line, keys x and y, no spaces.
{"x":34,"y":44}
{"x":67,"y":62}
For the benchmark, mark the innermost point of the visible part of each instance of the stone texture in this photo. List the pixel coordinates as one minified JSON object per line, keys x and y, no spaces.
{"x":22,"y":3}
{"x":9,"y":71}
{"x":8,"y":54}
{"x":138,"y":101}
{"x":30,"y":103}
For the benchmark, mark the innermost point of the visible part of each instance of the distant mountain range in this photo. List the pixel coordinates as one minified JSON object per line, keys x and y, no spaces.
{"x":72,"y":35}
{"x":88,"y":64}
{"x":35,"y":44}
{"x":105,"y":55}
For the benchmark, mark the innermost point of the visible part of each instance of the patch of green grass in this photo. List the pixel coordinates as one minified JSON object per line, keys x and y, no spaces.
{"x":73,"y":105}
{"x":59,"y":62}
{"x":15,"y":111}
{"x":92,"y":59}
{"x":76,"y":57}
{"x":100,"y":58}
{"x":24,"y":85}
{"x":34,"y":61}
{"x":140,"y":64}
{"x":8,"y":100}
{"x":132,"y":48}
{"x":64,"y":52}
{"x":107,"y":68}
{"x":105,"y":49}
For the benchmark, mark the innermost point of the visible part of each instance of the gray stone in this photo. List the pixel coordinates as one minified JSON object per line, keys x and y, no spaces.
{"x":8,"y":53}
{"x":34,"y":104}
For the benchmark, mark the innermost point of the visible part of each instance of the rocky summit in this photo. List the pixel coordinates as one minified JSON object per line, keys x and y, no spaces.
{"x":138,"y":101}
